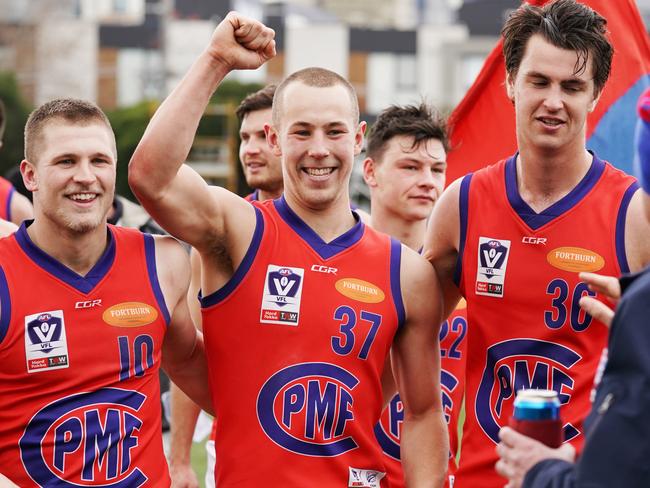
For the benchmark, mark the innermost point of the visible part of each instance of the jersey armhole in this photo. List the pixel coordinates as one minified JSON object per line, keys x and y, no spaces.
{"x":395,"y":280}
{"x":5,"y":306}
{"x":223,"y":292}
{"x":463,"y":210}
{"x":150,"y":254}
{"x":620,"y":227}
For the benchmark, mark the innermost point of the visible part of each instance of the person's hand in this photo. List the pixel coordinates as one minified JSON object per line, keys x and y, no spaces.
{"x":518,"y":453}
{"x":605,"y":285}
{"x":242,"y":43}
{"x":183,"y":476}
{"x":6,"y":483}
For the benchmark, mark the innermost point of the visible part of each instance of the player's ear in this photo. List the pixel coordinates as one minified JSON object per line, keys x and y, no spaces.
{"x":510,"y":86}
{"x":594,"y":102}
{"x":28,"y":172}
{"x":273,"y":140}
{"x":369,"y":167}
{"x":358,"y":137}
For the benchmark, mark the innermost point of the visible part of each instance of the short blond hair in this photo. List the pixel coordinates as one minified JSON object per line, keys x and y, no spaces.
{"x":315,"y":77}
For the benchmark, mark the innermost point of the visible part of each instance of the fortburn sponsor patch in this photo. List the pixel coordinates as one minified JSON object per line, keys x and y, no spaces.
{"x":282,"y":293}
{"x":492,"y":264}
{"x":46,"y":347}
{"x":575,"y":259}
{"x":130,"y":314}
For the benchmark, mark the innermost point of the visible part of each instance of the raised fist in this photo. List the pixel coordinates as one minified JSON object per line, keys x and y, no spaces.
{"x":242,"y":43}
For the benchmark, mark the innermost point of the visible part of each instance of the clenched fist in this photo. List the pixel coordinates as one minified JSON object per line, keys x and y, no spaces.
{"x":242,"y":43}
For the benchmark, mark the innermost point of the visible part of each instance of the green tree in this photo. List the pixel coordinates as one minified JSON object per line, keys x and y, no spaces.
{"x":17,"y":111}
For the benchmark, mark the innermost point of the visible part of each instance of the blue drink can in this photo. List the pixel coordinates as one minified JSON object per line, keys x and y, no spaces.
{"x":537,"y":415}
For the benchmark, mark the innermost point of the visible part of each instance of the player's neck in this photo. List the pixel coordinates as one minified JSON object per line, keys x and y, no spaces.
{"x":409,"y":233}
{"x":263,"y":195}
{"x":544,"y":178}
{"x":78,"y":251}
{"x":329,"y":222}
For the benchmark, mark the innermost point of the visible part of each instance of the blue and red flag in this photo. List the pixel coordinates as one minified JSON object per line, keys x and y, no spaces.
{"x":483,"y":124}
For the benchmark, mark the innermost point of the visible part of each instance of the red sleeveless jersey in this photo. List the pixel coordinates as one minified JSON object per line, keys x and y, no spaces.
{"x":6,"y":192}
{"x":79,"y":358}
{"x":297,"y":342}
{"x":518,"y":270}
{"x":452,"y":376}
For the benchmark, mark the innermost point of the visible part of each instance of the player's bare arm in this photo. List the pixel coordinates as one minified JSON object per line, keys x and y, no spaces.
{"x":416,"y":366}
{"x":183,"y":352}
{"x":441,"y":244}
{"x":7,"y":228}
{"x":184,"y":412}
{"x":21,"y":208}
{"x":175,"y":195}
{"x":637,"y":230}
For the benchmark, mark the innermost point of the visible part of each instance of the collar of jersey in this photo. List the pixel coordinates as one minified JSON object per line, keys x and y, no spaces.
{"x":84,"y":284}
{"x":324,"y":249}
{"x":536,"y":220}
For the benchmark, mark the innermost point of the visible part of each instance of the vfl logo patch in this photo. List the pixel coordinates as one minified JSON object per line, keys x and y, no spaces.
{"x":305,"y":409}
{"x":359,"y":290}
{"x":46,"y":347}
{"x":492,"y":263}
{"x":130,"y":314}
{"x":522,"y":363}
{"x":282,"y":292}
{"x":85,"y":439}
{"x":575,"y":259}
{"x":364,"y":478}
{"x":388,"y":430}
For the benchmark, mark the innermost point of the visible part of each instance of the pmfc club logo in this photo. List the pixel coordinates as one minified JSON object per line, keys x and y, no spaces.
{"x":282,"y":294}
{"x":522,"y":364}
{"x":87,"y":439}
{"x":306,"y":408}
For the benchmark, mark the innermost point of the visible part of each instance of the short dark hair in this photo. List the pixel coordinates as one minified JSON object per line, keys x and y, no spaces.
{"x":422,"y":122}
{"x":316,"y":77}
{"x":566,"y":24}
{"x":71,"y":110}
{"x":259,"y":100}
{"x":3,"y":119}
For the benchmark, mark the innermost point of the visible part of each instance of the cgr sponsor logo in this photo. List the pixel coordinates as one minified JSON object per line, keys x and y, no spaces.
{"x":89,"y":304}
{"x":323,"y":269}
{"x":533,"y":240}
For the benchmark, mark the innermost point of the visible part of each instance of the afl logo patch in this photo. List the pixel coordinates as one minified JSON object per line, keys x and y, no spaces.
{"x":130,"y":314}
{"x":492,"y":264}
{"x":282,"y":295}
{"x":46,"y":346}
{"x":87,"y":439}
{"x":305,"y":409}
{"x":575,"y":259}
{"x":359,"y":290}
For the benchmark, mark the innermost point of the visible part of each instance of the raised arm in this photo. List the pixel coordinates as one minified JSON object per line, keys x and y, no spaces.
{"x":416,"y":365}
{"x":175,"y":195}
{"x":442,"y":242}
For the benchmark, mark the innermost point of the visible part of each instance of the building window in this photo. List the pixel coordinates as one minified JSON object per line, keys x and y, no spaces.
{"x":407,"y":73}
